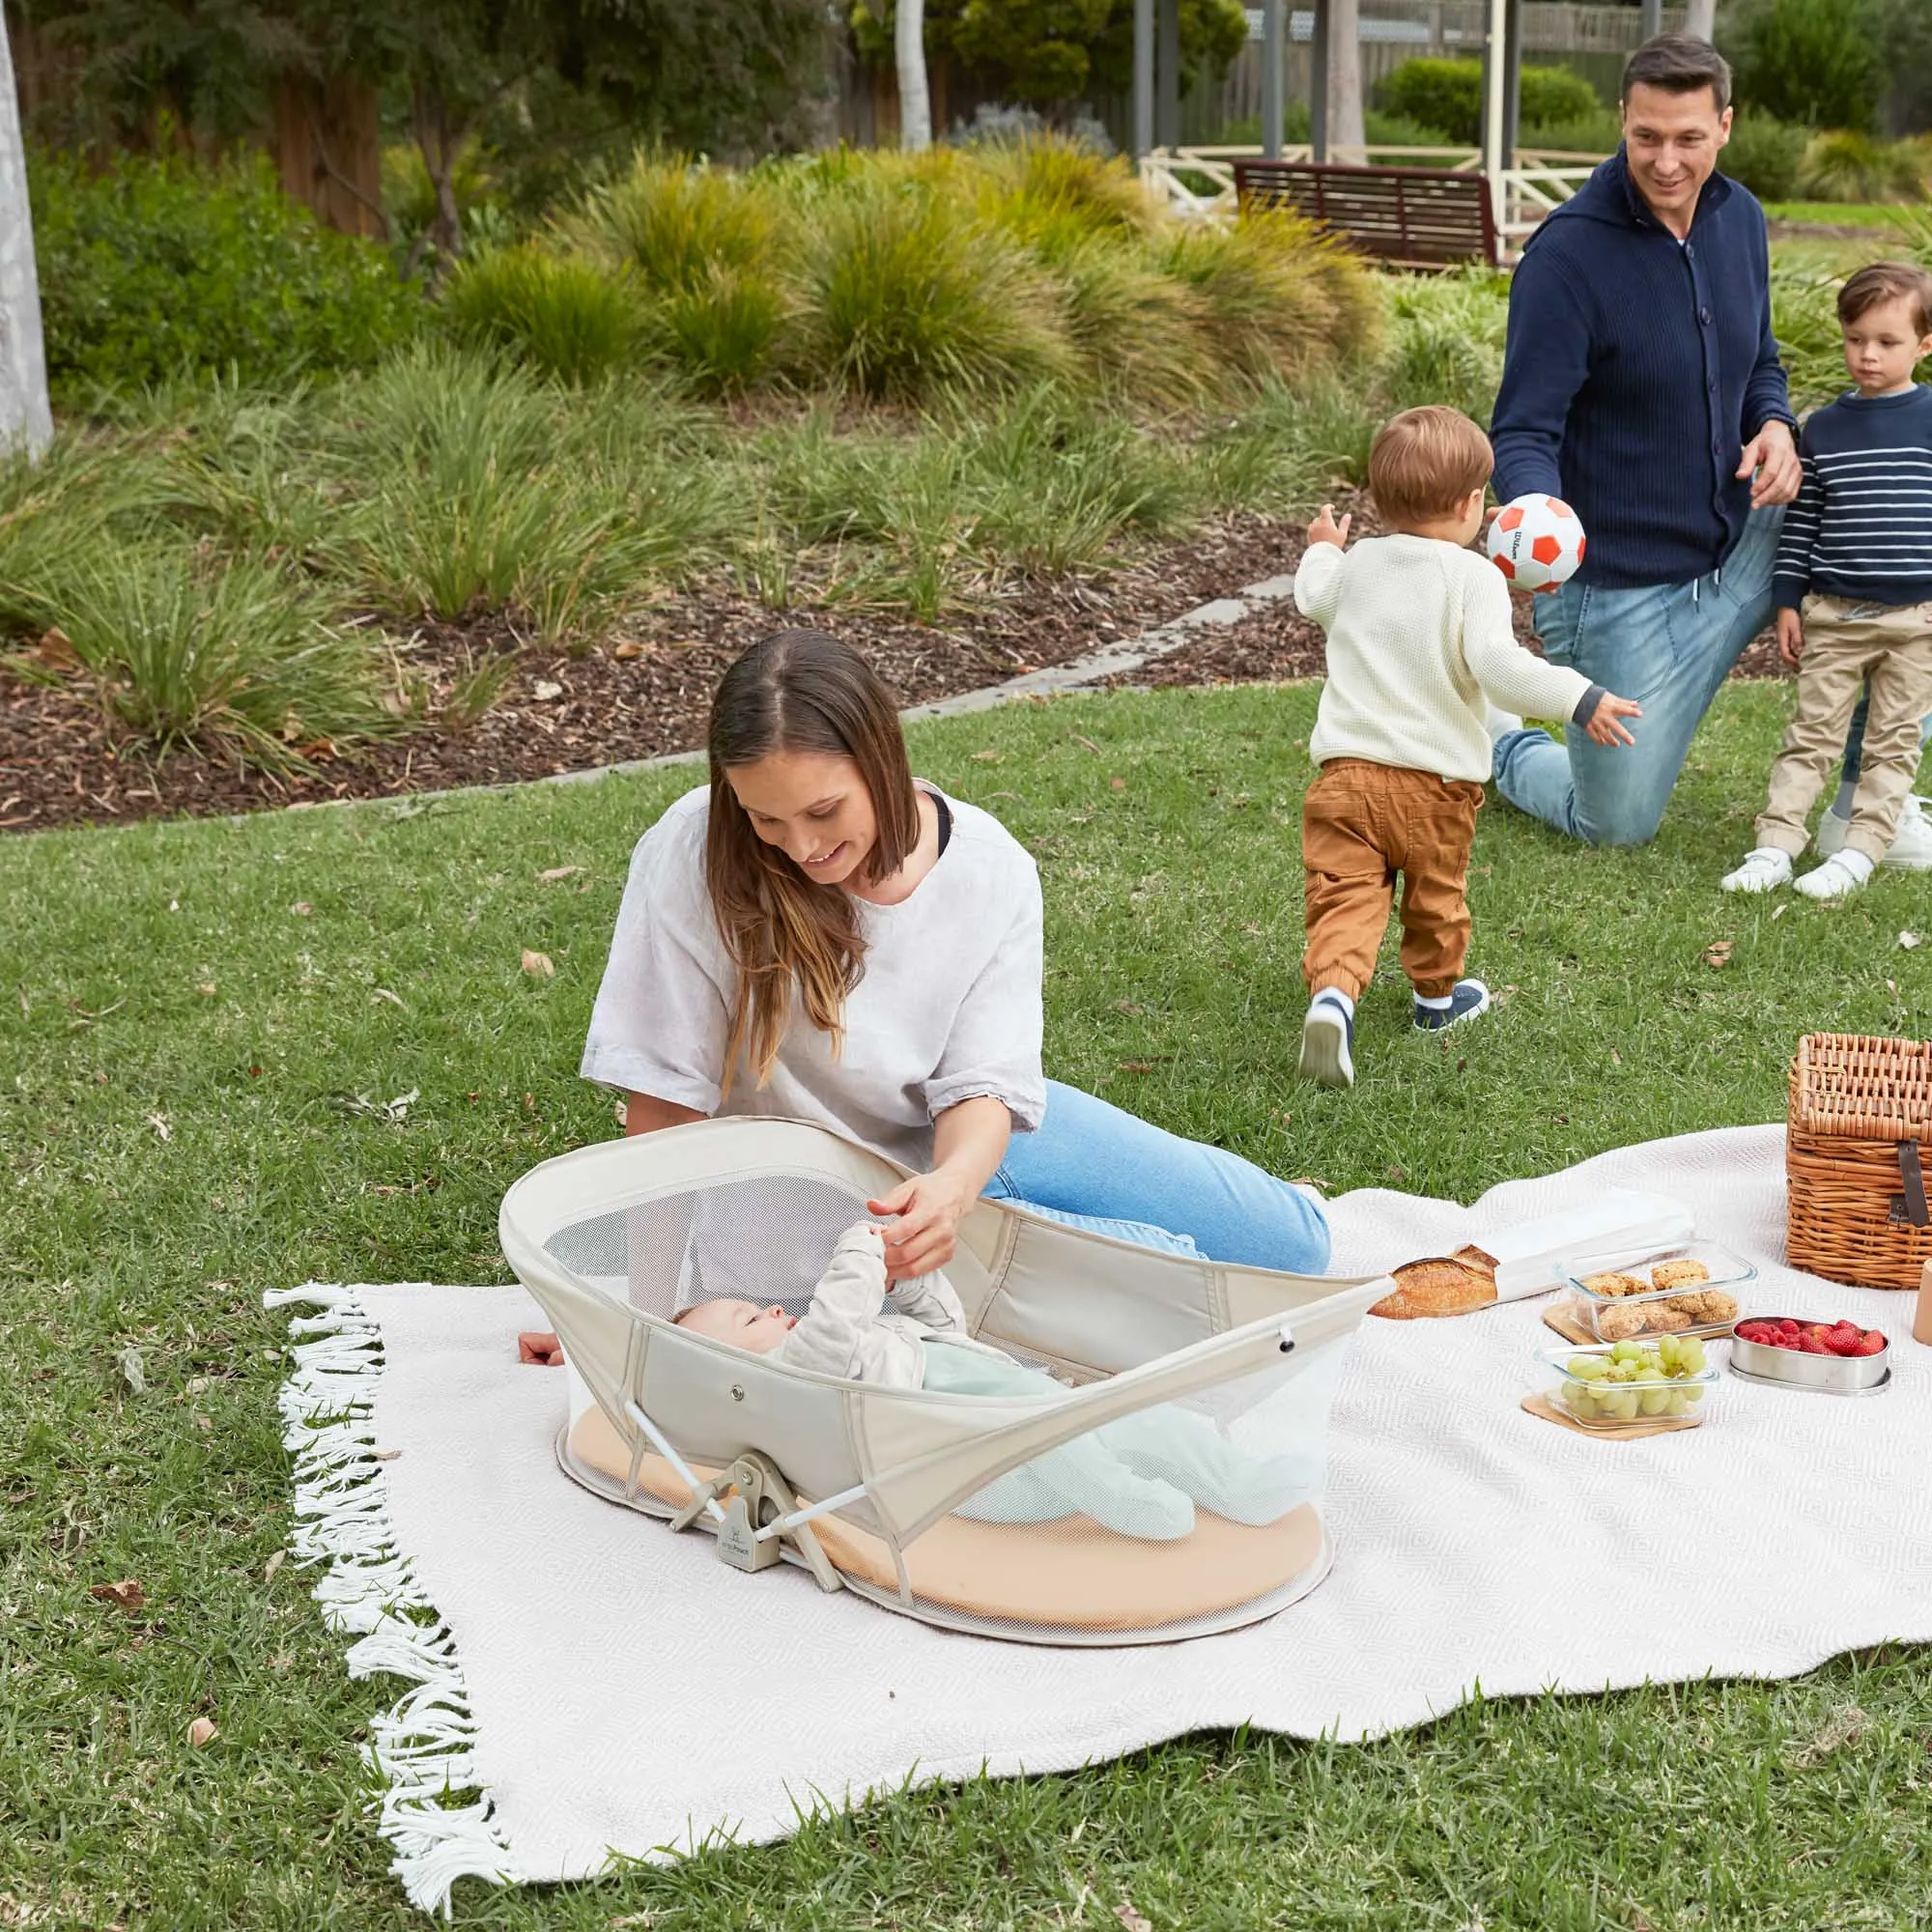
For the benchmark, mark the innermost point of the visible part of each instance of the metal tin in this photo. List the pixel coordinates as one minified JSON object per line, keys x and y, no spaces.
{"x":1878,"y":1387}
{"x":1833,"y":1374}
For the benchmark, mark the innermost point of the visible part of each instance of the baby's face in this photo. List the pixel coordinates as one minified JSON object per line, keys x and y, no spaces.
{"x":744,"y":1325}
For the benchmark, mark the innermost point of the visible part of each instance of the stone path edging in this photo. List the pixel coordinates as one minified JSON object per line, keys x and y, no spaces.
{"x":1079,"y":674}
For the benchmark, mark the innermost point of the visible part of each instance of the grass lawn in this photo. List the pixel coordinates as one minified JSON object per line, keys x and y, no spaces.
{"x":1878,"y":215}
{"x":203,"y":1025}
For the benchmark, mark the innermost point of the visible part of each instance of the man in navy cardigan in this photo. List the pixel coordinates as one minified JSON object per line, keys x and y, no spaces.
{"x":1641,"y":385}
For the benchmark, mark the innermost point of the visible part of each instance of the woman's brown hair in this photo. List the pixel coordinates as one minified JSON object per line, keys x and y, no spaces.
{"x":797,"y":691}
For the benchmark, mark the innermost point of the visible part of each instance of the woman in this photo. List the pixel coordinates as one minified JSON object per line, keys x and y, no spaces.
{"x":818,"y":936}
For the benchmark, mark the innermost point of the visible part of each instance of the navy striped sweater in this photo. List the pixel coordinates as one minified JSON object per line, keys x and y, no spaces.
{"x":1861,"y":526}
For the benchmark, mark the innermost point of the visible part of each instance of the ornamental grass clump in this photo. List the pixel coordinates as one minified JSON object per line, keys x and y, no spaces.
{"x":487,"y":499}
{"x":238,"y":658}
{"x":563,"y":315}
{"x":904,"y":293}
{"x":1138,"y":333}
{"x":1276,"y":296}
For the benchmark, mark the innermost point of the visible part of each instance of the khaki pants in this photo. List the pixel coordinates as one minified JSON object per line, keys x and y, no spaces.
{"x":1361,"y":824}
{"x":1845,"y":645}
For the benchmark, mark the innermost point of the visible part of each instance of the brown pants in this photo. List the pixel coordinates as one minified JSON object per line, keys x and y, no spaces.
{"x":1892,"y":646}
{"x":1361,"y":824}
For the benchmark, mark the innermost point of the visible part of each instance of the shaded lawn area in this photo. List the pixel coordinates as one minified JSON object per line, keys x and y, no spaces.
{"x":201,"y":1029}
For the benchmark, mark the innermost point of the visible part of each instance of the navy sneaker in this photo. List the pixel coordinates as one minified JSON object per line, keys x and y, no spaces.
{"x":1466,"y":999}
{"x":1327,"y":1035}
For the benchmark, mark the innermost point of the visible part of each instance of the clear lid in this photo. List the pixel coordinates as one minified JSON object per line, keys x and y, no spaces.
{"x":1724,"y":1267}
{"x":1558,"y":1356}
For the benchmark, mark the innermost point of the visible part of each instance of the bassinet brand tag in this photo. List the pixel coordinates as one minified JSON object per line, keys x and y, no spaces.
{"x":737,"y":1543}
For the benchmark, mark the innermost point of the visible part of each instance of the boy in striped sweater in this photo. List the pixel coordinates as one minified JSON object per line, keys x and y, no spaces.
{"x":1853,"y":590}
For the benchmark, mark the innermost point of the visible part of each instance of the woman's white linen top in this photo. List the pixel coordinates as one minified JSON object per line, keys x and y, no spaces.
{"x":947,"y":1007}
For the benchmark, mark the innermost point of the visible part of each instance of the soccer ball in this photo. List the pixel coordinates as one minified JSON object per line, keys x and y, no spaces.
{"x":1537,"y":542}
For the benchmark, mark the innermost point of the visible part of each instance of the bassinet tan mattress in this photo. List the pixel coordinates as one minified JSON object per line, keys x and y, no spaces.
{"x":1083,"y":1577}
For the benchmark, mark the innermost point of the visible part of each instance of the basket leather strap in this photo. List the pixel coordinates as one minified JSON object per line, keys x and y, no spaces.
{"x":1913,"y":1172}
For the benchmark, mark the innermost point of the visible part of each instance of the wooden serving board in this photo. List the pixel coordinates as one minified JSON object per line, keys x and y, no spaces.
{"x":1615,"y":1432}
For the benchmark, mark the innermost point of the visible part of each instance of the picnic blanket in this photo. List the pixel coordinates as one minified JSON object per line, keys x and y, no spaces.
{"x":576,"y":1677}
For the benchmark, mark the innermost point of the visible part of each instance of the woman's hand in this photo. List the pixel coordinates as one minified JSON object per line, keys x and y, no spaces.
{"x":923,"y":1235}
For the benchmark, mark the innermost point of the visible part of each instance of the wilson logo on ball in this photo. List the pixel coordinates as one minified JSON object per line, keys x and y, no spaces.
{"x":1537,"y":542}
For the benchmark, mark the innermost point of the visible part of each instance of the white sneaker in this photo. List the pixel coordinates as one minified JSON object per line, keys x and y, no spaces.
{"x":1911,"y":845}
{"x":1764,"y":868}
{"x":1839,"y":876}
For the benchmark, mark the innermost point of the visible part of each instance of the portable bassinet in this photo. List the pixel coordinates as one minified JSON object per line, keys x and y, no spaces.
{"x":895,"y":1493}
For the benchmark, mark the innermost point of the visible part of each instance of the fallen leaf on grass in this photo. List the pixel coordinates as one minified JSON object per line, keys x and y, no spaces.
{"x":1844,"y":1725}
{"x":160,"y":1127}
{"x":1133,"y":1920}
{"x":539,"y":965}
{"x":202,"y":1731}
{"x":1782,"y":907}
{"x":989,"y":757}
{"x":1136,"y":1066}
{"x":133,"y":1370}
{"x":1078,"y":739}
{"x":1128,"y":1006}
{"x":126,"y":1595}
{"x":382,"y":993}
{"x":556,"y":873}
{"x":1117,"y":784}
{"x":275,"y":1563}
{"x":1718,"y":953}
{"x":302,"y":908}
{"x":1910,"y":940}
{"x":206,"y":989}
{"x":1616,"y":1058}
{"x":628,"y":652}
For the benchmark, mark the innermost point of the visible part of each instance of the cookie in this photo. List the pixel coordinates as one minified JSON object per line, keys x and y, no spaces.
{"x":1611,"y":1283}
{"x":1678,"y":1274}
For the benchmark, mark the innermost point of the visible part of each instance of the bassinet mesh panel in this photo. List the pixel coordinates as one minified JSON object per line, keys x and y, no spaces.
{"x":763,"y":1239}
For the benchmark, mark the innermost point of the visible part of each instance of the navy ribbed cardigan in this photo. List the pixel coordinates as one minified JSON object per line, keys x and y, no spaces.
{"x":1636,"y":371}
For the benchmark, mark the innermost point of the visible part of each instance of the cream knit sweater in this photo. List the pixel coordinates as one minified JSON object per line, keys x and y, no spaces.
{"x":1418,"y":637}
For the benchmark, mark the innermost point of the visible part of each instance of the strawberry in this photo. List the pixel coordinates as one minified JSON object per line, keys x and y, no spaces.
{"x":1809,"y":1343}
{"x":1869,"y":1345}
{"x":1844,"y":1341}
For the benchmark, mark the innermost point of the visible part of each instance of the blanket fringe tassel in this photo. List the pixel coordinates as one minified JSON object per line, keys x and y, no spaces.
{"x":422,"y":1747}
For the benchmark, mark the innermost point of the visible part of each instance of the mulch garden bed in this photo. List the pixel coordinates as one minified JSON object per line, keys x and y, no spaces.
{"x":645,"y":691}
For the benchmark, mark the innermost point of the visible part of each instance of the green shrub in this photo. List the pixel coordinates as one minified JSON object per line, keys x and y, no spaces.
{"x":904,"y":293}
{"x":1810,"y":344}
{"x":1448,"y":93}
{"x":1815,"y":62}
{"x":1381,"y":130}
{"x":83,"y":497}
{"x":1136,"y":331}
{"x":560,"y":313}
{"x":158,"y":267}
{"x":673,"y":221}
{"x":1598,"y":132}
{"x":1764,"y":152}
{"x":236,"y":657}
{"x":485,"y":496}
{"x":1845,"y":166}
{"x":1046,"y":185}
{"x":722,"y":331}
{"x":1276,"y":296}
{"x":1446,"y":342}
{"x":1290,"y":446}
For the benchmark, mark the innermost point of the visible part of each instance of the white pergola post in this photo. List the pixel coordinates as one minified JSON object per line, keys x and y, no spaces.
{"x":1143,"y":78}
{"x":25,"y":419}
{"x":1496,"y":92}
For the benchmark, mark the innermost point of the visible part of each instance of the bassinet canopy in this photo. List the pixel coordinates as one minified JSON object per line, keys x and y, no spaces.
{"x":908,"y":1496}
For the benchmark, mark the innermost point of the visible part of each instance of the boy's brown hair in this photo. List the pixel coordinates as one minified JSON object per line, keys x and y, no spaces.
{"x":1424,"y":462}
{"x":1885,"y":281}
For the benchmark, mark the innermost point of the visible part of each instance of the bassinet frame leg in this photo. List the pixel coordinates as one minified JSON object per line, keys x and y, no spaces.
{"x":754,"y":1489}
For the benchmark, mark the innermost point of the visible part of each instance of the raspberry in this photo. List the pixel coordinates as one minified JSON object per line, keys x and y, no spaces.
{"x":1869,"y":1345}
{"x":1788,"y":1327}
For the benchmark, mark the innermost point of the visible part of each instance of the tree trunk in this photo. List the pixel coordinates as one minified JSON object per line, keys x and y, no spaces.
{"x":909,"y":55}
{"x":1345,"y":81}
{"x":439,"y":146}
{"x":25,"y":417}
{"x":1701,"y":18}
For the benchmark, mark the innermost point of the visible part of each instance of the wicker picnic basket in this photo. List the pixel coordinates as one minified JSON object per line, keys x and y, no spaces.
{"x":1856,"y":1153}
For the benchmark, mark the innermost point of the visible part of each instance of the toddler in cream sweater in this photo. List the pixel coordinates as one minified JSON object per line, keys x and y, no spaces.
{"x":1420,"y":647}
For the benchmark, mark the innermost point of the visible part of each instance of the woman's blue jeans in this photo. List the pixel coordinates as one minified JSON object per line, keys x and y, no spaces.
{"x":1093,"y":1166}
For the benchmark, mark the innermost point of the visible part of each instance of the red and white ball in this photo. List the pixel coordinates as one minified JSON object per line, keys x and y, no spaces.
{"x":1537,"y":542}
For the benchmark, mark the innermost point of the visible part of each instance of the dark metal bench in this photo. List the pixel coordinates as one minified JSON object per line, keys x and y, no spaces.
{"x":1411,"y":218}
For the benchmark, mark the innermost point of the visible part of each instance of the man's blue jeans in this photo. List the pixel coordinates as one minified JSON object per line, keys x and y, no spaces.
{"x":1093,"y":1166}
{"x":1855,"y":738}
{"x":1669,"y":647}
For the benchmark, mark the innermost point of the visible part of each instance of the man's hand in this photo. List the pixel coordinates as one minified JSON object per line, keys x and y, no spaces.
{"x":928,"y":1207}
{"x":1790,"y":637}
{"x":1325,"y":529}
{"x":1774,"y":456}
{"x":1604,"y":727}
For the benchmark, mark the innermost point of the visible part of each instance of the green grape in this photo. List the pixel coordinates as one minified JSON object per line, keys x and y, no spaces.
{"x":1588,"y":1368}
{"x":1624,"y":1404}
{"x":1691,"y":1353}
{"x":1578,"y":1395}
{"x":1693,"y":1393}
{"x":1626,"y":1352}
{"x":1653,"y":1401}
{"x":1674,"y":1402}
{"x":1667,"y":1346}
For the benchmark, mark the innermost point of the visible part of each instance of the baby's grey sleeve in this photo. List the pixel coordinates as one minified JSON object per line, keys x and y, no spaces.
{"x":829,"y":1334}
{"x":930,"y":1300}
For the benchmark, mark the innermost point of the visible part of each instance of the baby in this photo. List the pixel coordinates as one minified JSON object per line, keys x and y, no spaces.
{"x":1141,"y":1476}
